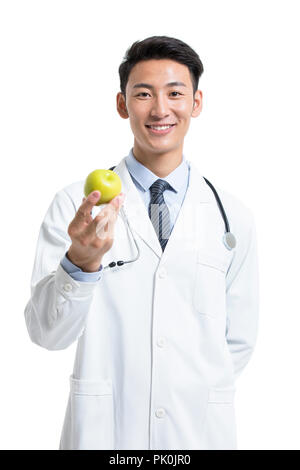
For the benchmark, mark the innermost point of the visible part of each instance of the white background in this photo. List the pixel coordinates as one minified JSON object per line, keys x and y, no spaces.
{"x":58,"y":87}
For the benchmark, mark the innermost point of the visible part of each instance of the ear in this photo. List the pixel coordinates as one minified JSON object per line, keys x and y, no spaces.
{"x":121,"y":106}
{"x":198,"y":102}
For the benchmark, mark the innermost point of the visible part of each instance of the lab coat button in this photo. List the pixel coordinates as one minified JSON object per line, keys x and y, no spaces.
{"x":162,"y":273}
{"x":161,"y":342}
{"x":68,"y":287}
{"x":160,"y":413}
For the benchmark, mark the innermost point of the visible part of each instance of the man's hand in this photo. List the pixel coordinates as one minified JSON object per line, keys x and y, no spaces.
{"x":91,"y":238}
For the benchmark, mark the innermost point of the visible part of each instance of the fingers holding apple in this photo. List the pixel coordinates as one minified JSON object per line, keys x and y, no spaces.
{"x":91,"y":238}
{"x":83,"y":215}
{"x":104,"y":222}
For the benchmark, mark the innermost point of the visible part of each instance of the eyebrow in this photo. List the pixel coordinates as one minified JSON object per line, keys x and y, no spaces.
{"x":146,"y":85}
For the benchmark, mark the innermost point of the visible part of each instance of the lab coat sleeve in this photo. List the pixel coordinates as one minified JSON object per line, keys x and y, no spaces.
{"x":57,"y":310}
{"x":242,"y":296}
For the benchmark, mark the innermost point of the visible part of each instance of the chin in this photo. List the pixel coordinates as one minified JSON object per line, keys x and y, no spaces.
{"x":163,"y":148}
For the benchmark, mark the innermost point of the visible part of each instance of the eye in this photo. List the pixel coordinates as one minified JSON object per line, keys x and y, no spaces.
{"x":145,"y":93}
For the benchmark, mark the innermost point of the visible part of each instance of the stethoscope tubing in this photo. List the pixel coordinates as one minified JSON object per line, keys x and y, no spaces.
{"x":228,"y":237}
{"x":120,"y":262}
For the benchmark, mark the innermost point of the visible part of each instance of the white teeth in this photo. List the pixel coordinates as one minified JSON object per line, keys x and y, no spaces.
{"x":160,"y":128}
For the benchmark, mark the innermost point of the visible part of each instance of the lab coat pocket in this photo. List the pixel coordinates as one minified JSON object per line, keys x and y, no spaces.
{"x":220,"y":424}
{"x":91,"y":414}
{"x":210,"y":285}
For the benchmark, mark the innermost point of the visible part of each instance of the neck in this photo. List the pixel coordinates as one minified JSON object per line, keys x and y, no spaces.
{"x":161,"y":164}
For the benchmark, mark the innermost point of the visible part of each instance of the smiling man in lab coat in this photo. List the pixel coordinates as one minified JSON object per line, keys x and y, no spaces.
{"x":162,"y":339}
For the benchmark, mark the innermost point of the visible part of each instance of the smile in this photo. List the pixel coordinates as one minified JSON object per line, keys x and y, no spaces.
{"x":160,"y":130}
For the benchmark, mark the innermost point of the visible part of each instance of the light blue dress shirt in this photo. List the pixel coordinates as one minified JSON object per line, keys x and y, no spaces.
{"x":143,"y":178}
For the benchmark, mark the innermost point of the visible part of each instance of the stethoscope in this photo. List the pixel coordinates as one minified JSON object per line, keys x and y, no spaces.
{"x":228,"y":237}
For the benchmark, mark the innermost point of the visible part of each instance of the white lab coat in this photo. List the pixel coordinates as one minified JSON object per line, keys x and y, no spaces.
{"x":160,"y":340}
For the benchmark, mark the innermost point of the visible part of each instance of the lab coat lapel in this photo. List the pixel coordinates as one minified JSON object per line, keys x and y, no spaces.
{"x":136,"y":211}
{"x":187,"y":231}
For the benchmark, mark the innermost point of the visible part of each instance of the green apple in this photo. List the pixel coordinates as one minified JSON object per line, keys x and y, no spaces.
{"x":106,"y":181}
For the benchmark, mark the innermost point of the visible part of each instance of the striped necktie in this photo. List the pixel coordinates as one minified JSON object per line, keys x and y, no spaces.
{"x":159,"y":212}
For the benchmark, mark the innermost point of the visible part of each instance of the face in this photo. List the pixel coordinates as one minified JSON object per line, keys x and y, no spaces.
{"x":154,"y":99}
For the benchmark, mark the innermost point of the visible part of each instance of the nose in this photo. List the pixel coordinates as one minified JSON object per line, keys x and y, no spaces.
{"x":160,"y":107}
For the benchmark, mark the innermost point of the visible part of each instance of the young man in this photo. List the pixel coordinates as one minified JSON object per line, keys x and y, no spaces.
{"x":162,"y":337}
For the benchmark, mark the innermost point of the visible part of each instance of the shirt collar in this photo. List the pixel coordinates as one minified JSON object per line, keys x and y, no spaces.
{"x":145,"y":177}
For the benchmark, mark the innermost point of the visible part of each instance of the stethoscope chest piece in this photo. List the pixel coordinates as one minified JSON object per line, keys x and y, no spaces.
{"x":228,"y":237}
{"x":229,"y":240}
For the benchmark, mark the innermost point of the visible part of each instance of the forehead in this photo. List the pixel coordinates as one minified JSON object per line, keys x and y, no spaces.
{"x":159,"y":72}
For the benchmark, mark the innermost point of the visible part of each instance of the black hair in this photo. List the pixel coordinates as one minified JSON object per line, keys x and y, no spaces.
{"x":160,"y":47}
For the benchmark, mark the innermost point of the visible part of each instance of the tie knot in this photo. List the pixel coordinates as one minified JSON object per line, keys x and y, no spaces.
{"x":159,"y":186}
